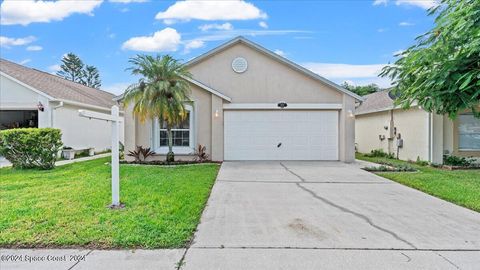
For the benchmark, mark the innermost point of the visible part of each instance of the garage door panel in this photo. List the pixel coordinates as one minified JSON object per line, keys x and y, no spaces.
{"x":304,"y":135}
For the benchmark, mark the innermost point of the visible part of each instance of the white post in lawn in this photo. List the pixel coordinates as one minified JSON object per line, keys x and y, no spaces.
{"x":115,"y":119}
{"x":115,"y":159}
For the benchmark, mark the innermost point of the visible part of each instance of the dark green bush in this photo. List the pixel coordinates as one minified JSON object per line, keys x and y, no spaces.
{"x":458,"y":161}
{"x":31,"y":147}
{"x":380,"y":153}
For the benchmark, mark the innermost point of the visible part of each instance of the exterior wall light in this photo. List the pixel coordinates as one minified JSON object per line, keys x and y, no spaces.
{"x":216,"y":114}
{"x":40,"y":106}
{"x":350,"y":113}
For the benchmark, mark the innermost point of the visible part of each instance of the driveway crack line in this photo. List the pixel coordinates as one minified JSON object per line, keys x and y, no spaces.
{"x":292,"y":172}
{"x":346,"y":210}
{"x":365,"y":218}
{"x":450,"y":262}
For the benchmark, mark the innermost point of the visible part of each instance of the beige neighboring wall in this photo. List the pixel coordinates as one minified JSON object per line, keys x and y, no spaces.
{"x":368,"y":127}
{"x":412,"y":125}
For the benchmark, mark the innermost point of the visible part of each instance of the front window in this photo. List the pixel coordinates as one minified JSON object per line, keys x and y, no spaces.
{"x":468,"y":132}
{"x":180,"y":133}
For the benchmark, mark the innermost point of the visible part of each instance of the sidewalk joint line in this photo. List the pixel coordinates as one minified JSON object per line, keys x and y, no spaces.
{"x":75,"y":264}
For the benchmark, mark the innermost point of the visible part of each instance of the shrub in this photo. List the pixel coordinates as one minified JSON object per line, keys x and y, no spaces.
{"x":458,"y":161}
{"x":31,"y":147}
{"x":201,"y":154}
{"x":388,"y":168}
{"x":140,"y":153}
{"x":380,"y":153}
{"x":421,"y":162}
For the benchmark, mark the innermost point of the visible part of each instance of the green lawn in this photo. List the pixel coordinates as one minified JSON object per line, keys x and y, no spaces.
{"x":461,"y":187}
{"x":67,"y":206}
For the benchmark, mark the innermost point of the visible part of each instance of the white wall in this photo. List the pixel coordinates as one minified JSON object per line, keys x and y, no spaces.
{"x":80,"y":132}
{"x":14,"y":96}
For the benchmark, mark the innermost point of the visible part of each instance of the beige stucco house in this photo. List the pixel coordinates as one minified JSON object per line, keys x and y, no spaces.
{"x":413,"y":133}
{"x":248,"y":103}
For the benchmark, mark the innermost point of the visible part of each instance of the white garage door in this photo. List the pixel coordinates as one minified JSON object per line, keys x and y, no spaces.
{"x":281,"y":135}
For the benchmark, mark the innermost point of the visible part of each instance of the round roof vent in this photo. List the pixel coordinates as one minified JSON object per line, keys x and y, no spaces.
{"x":239,"y":65}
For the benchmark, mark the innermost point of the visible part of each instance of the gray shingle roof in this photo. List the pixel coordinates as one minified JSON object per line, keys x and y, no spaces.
{"x":57,"y":87}
{"x":378,"y":101}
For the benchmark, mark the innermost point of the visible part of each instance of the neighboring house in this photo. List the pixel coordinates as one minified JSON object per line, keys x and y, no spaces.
{"x":33,"y":98}
{"x":423,"y":135}
{"x":248,"y":103}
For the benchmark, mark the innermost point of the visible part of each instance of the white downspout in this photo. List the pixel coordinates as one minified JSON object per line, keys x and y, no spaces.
{"x":52,"y":119}
{"x":430,"y":137}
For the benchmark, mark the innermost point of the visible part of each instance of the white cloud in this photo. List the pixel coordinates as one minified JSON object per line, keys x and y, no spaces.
{"x":406,"y":24}
{"x":29,"y":11}
{"x":280,"y":52}
{"x":23,"y":62}
{"x":425,"y":4}
{"x":225,"y":26}
{"x":263,"y":24}
{"x":209,"y":11}
{"x":127,"y":1}
{"x":381,"y":30}
{"x":379,"y":2}
{"x":224,"y":35}
{"x":8,"y":42}
{"x":350,"y":71}
{"x":116,"y":88}
{"x":194,"y":44}
{"x":353,"y":74}
{"x":166,"y":40}
{"x":54,"y":68}
{"x":34,"y":48}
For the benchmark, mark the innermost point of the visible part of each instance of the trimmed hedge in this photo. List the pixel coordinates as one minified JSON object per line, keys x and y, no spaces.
{"x":31,"y":147}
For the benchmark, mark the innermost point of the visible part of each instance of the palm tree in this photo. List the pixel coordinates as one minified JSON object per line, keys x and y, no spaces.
{"x":161,"y":91}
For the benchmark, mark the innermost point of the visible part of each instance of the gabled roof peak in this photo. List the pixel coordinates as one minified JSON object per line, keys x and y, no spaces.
{"x":241,"y":39}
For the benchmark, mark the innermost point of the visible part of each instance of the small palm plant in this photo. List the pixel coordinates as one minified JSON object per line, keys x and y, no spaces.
{"x":161,"y":91}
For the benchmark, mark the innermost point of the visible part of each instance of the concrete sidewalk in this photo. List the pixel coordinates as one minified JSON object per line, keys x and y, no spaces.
{"x":65,"y":259}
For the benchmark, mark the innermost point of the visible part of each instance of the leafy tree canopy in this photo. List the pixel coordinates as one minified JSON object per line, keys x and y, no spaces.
{"x":73,"y":69}
{"x":361,"y":90}
{"x":442,"y":70}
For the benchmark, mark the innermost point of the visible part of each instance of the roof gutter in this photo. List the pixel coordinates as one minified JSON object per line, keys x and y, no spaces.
{"x":85,"y":105}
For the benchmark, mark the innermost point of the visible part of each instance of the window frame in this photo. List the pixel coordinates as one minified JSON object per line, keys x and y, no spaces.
{"x":459,"y":135}
{"x":182,"y":150}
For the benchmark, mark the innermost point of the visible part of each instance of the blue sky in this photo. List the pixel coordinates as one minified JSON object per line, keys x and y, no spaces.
{"x":340,"y":40}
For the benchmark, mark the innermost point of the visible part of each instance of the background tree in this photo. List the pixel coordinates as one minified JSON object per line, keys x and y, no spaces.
{"x":91,"y":77}
{"x":361,"y":90}
{"x":161,"y":91}
{"x":442,"y":70}
{"x":71,"y":68}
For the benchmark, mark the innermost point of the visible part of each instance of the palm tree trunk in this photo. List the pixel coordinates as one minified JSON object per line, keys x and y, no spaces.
{"x":170,"y":154}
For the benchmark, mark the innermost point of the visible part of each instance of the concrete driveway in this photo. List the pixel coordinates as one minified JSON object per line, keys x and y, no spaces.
{"x":328,"y":215}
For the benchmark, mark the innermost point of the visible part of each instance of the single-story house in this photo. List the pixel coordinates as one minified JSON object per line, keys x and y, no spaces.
{"x":33,"y":98}
{"x":414,"y":133}
{"x":248,"y":103}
